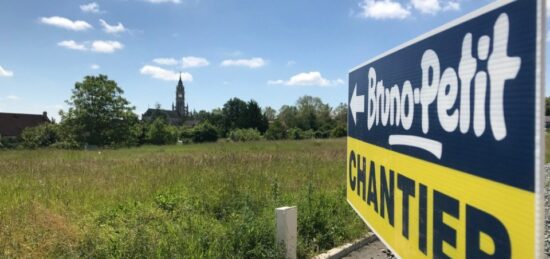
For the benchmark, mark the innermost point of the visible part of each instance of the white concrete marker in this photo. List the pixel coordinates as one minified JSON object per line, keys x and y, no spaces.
{"x":287,"y":229}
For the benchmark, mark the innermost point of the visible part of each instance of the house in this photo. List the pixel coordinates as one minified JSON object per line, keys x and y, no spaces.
{"x":13,"y":124}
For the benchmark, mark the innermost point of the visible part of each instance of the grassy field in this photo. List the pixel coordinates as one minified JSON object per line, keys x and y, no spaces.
{"x":209,"y":200}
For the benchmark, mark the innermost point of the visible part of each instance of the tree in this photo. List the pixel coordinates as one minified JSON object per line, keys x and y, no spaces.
{"x":238,"y":114}
{"x":288,"y":115}
{"x":547,"y":99}
{"x":270,"y":113}
{"x":98,"y":113}
{"x":340,"y":114}
{"x":254,"y":117}
{"x":313,"y":114}
{"x":233,"y":113}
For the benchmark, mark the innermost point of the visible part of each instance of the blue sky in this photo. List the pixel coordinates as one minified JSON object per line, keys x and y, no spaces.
{"x":269,"y":51}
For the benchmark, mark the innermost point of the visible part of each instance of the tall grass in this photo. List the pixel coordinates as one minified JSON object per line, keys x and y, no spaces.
{"x":195,"y":201}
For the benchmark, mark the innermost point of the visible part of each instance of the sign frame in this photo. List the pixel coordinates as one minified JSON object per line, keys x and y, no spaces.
{"x":539,"y":154}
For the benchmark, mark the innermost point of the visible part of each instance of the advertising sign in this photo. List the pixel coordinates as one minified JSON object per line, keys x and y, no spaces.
{"x":445,"y":144}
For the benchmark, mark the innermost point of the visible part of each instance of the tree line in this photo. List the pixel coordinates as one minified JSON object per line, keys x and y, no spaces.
{"x":99,"y":115}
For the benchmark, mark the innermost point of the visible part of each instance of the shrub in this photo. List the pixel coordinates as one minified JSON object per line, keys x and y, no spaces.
{"x":308,"y":134}
{"x":276,"y":131}
{"x":338,"y":132}
{"x":295,"y":133}
{"x":244,"y":135}
{"x":66,"y":144}
{"x":322,"y":134}
{"x":205,"y":132}
{"x":160,"y":133}
{"x":9,"y":142}
{"x":40,"y":136}
{"x":186,"y":134}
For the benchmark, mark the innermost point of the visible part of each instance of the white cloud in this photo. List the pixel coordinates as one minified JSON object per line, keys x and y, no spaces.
{"x":164,"y":74}
{"x":106,"y":46}
{"x":383,"y":9}
{"x":426,"y":6}
{"x":452,"y":6}
{"x":113,"y":29}
{"x":313,"y":78}
{"x":95,"y":66}
{"x":166,"y":61}
{"x":5,"y":72}
{"x":163,"y":1}
{"x":90,"y":8}
{"x":65,"y":23}
{"x":276,"y":82}
{"x":13,"y":97}
{"x":96,"y":46}
{"x":71,"y":44}
{"x":250,"y":63}
{"x":194,"y":62}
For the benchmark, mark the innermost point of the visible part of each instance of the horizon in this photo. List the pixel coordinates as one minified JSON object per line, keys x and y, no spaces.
{"x":272,"y":53}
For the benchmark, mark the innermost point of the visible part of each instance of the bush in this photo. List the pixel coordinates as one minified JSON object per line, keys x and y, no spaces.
{"x":276,"y":131}
{"x":322,"y":134}
{"x":66,"y":144}
{"x":160,"y":133}
{"x":9,"y":142}
{"x":244,"y":135}
{"x":338,"y":132}
{"x":308,"y":134}
{"x":40,"y":136}
{"x":205,"y":132}
{"x":295,"y":133}
{"x":186,"y":134}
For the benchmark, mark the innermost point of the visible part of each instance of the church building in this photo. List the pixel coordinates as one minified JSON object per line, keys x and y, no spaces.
{"x":179,"y":114}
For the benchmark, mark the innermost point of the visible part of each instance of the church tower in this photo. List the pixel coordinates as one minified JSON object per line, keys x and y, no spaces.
{"x":181,"y":108}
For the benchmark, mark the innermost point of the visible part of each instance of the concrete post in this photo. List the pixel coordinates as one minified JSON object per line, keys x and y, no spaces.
{"x":287,"y":230}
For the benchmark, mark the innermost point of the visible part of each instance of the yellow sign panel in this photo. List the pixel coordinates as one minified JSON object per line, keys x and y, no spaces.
{"x":424,"y":210}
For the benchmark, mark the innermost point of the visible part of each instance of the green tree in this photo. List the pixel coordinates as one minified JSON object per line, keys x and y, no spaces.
{"x":98,"y":113}
{"x":270,"y":114}
{"x":547,"y":106}
{"x":313,"y":114}
{"x":340,"y":114}
{"x":238,"y":114}
{"x":288,"y":116}
{"x":254,"y":117}
{"x":234,"y":115}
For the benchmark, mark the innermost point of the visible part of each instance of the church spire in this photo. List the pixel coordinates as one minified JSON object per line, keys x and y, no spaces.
{"x":180,"y":83}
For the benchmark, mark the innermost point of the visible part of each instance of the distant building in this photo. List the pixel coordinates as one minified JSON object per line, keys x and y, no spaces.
{"x":179,"y":115}
{"x":13,"y":124}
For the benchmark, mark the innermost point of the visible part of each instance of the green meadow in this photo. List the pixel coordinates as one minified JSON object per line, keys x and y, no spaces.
{"x":195,"y":201}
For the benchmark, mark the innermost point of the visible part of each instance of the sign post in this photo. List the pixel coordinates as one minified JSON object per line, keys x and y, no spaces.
{"x":445,"y":146}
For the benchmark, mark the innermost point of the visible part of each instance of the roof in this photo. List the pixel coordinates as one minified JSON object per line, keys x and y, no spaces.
{"x":169,"y":113}
{"x":12,"y":124}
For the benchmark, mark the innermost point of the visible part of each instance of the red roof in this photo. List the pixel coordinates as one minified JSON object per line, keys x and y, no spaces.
{"x":12,"y":124}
